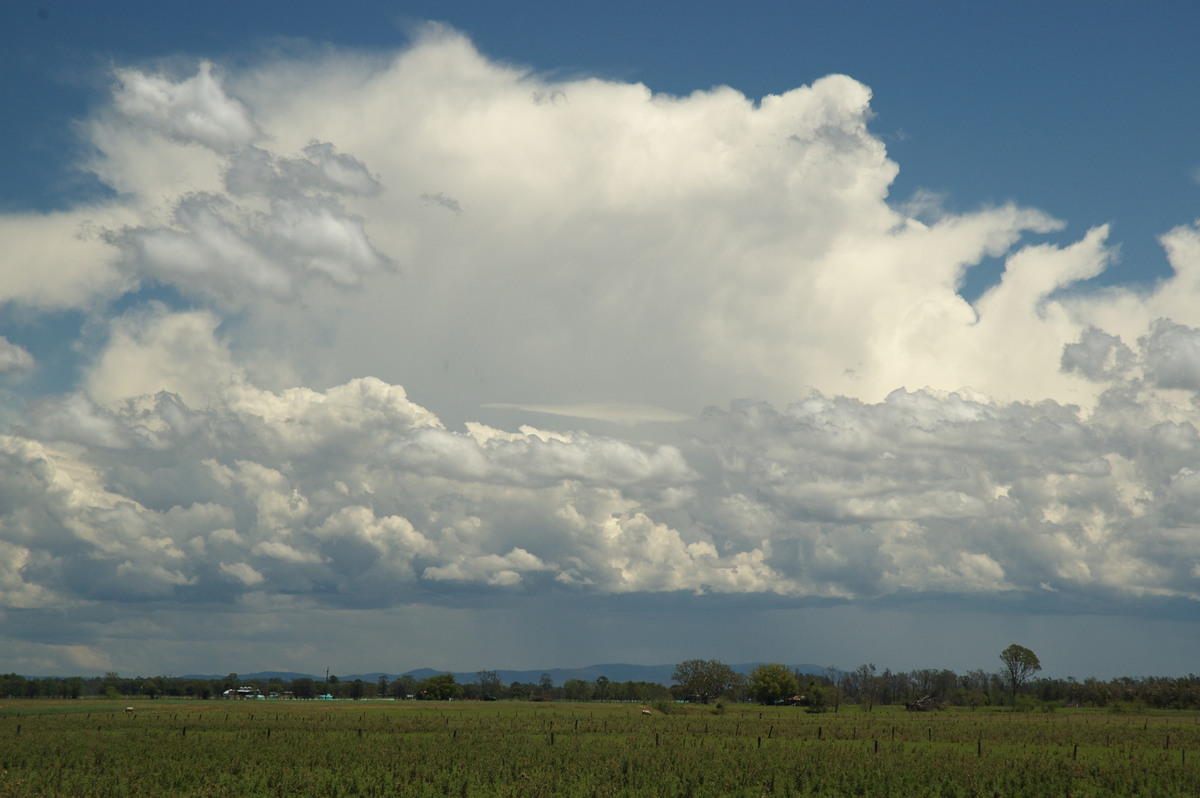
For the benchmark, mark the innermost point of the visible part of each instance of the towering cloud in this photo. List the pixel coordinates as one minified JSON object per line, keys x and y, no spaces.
{"x":290,"y":243}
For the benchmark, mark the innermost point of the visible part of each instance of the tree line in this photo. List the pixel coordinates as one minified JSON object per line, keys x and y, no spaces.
{"x":486,"y":687}
{"x":1012,"y":685}
{"x":704,"y":681}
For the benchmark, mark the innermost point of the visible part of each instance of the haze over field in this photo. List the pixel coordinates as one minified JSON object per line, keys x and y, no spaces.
{"x":387,"y":350}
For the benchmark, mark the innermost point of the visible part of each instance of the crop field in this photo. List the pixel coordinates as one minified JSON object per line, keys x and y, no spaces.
{"x":369,"y":748}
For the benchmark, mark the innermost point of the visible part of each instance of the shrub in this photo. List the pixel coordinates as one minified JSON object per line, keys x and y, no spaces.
{"x":665,"y":707}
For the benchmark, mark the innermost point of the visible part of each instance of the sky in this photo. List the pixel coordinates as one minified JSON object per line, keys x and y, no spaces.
{"x":528,"y":335}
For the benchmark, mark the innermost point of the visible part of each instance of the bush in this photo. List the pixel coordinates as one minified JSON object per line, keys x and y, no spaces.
{"x":665,"y":707}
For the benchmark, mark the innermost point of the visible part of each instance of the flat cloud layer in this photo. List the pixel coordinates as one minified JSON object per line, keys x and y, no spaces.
{"x":292,"y":242}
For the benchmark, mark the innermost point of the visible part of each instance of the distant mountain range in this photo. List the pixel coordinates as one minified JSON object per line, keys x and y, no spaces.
{"x":659,"y":674}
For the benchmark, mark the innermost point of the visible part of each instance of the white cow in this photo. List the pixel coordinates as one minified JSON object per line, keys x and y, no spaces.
{"x":647,"y":712}
{"x":128,"y":710}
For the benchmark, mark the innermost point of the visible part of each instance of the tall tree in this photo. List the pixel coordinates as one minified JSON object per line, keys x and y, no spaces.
{"x":304,"y":687}
{"x":703,"y":680}
{"x":441,"y":687}
{"x":405,"y":686}
{"x":72,"y":687}
{"x":770,"y":683}
{"x":866,"y":683}
{"x":1020,"y":663}
{"x":489,"y":683}
{"x":577,"y":690}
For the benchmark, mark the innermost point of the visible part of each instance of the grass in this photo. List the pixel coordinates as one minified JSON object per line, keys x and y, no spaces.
{"x":217,"y":748}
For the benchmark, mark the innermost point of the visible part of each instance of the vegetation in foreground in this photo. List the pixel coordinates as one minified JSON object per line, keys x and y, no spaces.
{"x":259,"y":748}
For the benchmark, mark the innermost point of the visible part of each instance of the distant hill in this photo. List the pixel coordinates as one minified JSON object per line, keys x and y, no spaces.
{"x":284,"y":676}
{"x":617,"y":672}
{"x":614,"y":672}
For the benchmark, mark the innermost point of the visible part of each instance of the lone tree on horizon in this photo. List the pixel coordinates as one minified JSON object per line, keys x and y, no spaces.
{"x":773,"y":682}
{"x":702,"y":680}
{"x":1021,"y":663}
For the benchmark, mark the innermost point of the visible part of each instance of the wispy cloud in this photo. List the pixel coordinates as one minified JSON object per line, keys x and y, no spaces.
{"x":13,"y":357}
{"x":619,"y":412}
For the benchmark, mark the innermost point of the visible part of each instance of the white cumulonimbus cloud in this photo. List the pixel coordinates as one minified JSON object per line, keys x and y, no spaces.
{"x":294,"y":241}
{"x":357,"y":495}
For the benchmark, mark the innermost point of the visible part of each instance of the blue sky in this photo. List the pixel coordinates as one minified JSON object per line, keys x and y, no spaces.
{"x":684,"y":330}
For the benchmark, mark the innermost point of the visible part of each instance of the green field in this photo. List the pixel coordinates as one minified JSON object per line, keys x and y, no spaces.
{"x":344,"y":748}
